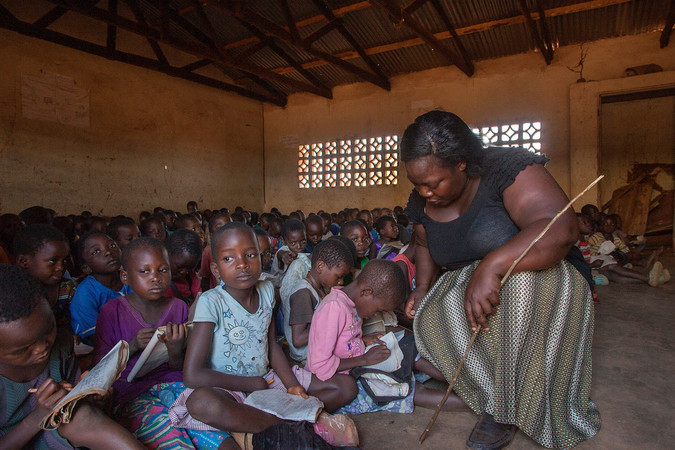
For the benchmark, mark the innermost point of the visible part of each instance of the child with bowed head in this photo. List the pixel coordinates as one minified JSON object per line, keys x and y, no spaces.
{"x":99,"y":258}
{"x":33,"y":356}
{"x":232,"y":351}
{"x":331,"y":261}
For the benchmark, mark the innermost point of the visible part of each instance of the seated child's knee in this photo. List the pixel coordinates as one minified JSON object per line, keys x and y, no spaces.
{"x":204,"y":402}
{"x":84,"y":420}
{"x":348,"y":388}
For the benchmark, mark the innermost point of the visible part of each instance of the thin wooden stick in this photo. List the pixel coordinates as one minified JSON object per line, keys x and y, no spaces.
{"x":478,"y":328}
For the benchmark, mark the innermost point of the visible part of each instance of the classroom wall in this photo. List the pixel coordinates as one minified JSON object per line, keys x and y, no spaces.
{"x":152,"y":139}
{"x":519,"y":87}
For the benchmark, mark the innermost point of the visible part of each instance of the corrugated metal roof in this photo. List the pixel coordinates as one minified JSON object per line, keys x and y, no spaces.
{"x":487,"y":29}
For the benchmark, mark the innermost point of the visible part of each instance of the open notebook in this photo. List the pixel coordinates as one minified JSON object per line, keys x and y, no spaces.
{"x":154,"y":355}
{"x":97,"y":381}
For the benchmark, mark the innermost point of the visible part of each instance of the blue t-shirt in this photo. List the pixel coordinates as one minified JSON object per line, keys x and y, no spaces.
{"x":89,"y":298}
{"x":239,"y":345}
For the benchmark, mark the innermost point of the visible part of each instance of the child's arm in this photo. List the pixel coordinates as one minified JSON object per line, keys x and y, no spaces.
{"x":300,"y":334}
{"x":375,"y":355}
{"x":47,"y":396}
{"x":279,"y":363}
{"x":174,"y":337}
{"x":197,"y":374}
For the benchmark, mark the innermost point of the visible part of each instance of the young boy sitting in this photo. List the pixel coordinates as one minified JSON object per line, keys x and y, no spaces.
{"x":331,"y":261}
{"x":33,"y":357}
{"x":295,"y":239}
{"x":44,"y":252}
{"x":100,"y":260}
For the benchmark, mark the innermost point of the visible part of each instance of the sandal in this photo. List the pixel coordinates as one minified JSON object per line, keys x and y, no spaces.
{"x":490,"y":435}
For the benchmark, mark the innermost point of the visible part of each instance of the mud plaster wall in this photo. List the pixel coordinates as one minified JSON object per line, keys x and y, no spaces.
{"x":209,"y":140}
{"x":519,"y":87}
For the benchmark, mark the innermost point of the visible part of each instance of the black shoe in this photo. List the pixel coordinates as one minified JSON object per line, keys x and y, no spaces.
{"x":490,"y":435}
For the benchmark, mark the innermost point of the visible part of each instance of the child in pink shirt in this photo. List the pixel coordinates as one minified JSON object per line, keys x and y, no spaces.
{"x":336,"y":344}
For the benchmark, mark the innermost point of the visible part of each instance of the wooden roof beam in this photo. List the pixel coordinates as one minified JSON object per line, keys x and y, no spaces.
{"x":290,"y":23}
{"x":668,"y":27}
{"x":538,"y":40}
{"x":197,"y":65}
{"x":196,"y":50}
{"x":349,"y":38}
{"x":140,"y":18}
{"x":414,"y":6}
{"x":401,"y":16}
{"x":52,"y":16}
{"x":321,"y":32}
{"x":111,"y":35}
{"x":283,"y":54}
{"x":242,"y":12}
{"x":544,"y":26}
{"x":211,"y":39}
{"x":8,"y":21}
{"x":446,"y":20}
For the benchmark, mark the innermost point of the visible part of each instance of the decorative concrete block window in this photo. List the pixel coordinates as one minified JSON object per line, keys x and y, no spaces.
{"x":349,"y":163}
{"x":524,"y":134}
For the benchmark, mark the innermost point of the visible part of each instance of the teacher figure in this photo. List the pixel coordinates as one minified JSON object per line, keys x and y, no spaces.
{"x":475,"y":210}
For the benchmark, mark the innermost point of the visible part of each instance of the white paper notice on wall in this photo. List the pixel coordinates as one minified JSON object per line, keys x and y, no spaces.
{"x":290,"y":141}
{"x":55,"y":98}
{"x":422,"y":104}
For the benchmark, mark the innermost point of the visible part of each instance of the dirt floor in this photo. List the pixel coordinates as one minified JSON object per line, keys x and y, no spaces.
{"x":633,"y":362}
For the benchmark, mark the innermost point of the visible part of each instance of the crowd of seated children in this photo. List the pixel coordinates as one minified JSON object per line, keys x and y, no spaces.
{"x":128,"y":293}
{"x":37,"y":368}
{"x":608,"y":254}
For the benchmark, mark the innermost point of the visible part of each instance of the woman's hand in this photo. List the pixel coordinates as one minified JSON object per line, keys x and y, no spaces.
{"x":140,"y":341}
{"x":297,"y":390}
{"x":413,"y":302}
{"x":482,"y":294}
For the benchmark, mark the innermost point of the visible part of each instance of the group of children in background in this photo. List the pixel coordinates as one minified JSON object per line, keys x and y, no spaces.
{"x":229,"y":290}
{"x":246,"y":303}
{"x":614,"y":255}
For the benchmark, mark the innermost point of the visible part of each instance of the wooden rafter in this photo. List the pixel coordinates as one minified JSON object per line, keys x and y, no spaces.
{"x":446,"y":20}
{"x":544,"y":27}
{"x":668,"y":27}
{"x":348,"y":37}
{"x":471,"y":29}
{"x":324,"y":30}
{"x":10,"y":22}
{"x":111,"y":35}
{"x":401,"y":16}
{"x":414,"y":6}
{"x":290,"y":23}
{"x":140,"y":18}
{"x":211,"y":39}
{"x":198,"y":50}
{"x":538,"y":40}
{"x":52,"y":16}
{"x":283,"y":54}
{"x":242,"y":12}
{"x":197,"y":65}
